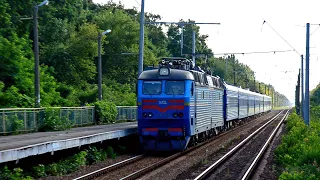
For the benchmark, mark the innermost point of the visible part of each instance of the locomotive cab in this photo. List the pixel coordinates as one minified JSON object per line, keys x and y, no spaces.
{"x":163,"y":98}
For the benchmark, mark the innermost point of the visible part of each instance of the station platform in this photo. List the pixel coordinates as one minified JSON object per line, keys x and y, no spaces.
{"x":15,"y":147}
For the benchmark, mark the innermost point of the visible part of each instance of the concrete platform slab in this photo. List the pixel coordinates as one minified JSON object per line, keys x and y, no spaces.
{"x":15,"y":147}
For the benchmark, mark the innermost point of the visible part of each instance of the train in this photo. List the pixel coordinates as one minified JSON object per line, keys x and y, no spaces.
{"x":180,"y":105}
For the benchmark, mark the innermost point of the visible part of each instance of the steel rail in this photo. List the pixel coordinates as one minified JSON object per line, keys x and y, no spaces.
{"x":145,"y":170}
{"x":109,"y":168}
{"x":233,"y":150}
{"x":154,"y":166}
{"x":263,"y":149}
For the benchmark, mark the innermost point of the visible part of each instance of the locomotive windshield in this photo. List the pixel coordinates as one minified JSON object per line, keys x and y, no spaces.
{"x":175,"y":87}
{"x":152,"y":87}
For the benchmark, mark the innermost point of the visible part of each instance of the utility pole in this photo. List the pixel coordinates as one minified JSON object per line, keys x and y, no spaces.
{"x":194,"y":48}
{"x":36,"y":57}
{"x":100,"y":63}
{"x":226,"y":67}
{"x":254,"y":83}
{"x":302,"y":88}
{"x":181,"y":24}
{"x":265,"y":89}
{"x":36,"y":53}
{"x":234,"y":71}
{"x":181,"y":41}
{"x":259,"y":87}
{"x":141,"y":40}
{"x":298,"y":95}
{"x":307,"y":98}
{"x":99,"y":68}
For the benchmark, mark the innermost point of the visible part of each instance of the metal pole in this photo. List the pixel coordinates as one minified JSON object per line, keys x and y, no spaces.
{"x":307,"y":100}
{"x":99,"y":68}
{"x":141,"y":42}
{"x":254,"y":83}
{"x":226,"y":68}
{"x":181,"y":42}
{"x":302,"y":88}
{"x":194,"y":48}
{"x":36,"y":57}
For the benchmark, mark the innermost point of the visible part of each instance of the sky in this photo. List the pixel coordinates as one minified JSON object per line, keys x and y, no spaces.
{"x":242,"y":31}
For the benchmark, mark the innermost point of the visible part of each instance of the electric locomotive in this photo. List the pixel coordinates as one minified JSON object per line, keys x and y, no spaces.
{"x":177,"y":105}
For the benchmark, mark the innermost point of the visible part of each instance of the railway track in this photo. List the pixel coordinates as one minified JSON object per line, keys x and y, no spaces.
{"x":131,"y":165}
{"x":248,"y":172}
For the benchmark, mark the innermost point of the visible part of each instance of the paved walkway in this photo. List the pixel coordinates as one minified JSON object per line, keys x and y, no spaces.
{"x":15,"y":147}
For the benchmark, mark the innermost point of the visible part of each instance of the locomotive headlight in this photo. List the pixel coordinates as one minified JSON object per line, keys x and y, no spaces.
{"x":175,"y":115}
{"x":145,"y":114}
{"x":150,"y":114}
{"x":164,"y":71}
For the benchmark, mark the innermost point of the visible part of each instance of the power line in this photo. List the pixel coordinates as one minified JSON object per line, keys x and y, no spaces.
{"x":258,"y":52}
{"x":137,"y":2}
{"x":315,"y":30}
{"x":264,"y":21}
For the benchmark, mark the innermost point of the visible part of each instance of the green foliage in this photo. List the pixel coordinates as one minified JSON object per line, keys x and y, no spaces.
{"x":120,"y":94}
{"x":315,"y":96}
{"x":15,"y":123}
{"x":68,"y":49}
{"x":53,"y":122}
{"x":94,"y":155}
{"x":299,"y":153}
{"x":62,"y":167}
{"x":315,"y":113}
{"x":105,"y":111}
{"x":39,"y":171}
{"x":111,"y":153}
{"x":16,"y":174}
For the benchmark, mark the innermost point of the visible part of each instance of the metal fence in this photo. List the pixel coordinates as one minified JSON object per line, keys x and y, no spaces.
{"x":30,"y":119}
{"x":126,"y":113}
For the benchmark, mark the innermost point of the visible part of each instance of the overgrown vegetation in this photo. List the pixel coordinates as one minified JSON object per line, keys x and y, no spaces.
{"x":13,"y":123}
{"x":299,"y":153}
{"x":68,"y":53}
{"x":105,"y":112}
{"x":86,"y":157}
{"x":53,"y":122}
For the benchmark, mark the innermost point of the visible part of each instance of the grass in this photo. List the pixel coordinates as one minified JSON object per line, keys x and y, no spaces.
{"x":299,"y":153}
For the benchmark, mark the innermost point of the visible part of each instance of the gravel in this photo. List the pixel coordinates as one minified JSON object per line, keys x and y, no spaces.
{"x":130,"y":168}
{"x":267,"y":169}
{"x":237,"y":165}
{"x":183,"y":168}
{"x":86,"y":169}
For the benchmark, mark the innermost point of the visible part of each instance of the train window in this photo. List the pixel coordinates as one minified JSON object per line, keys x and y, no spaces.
{"x":175,"y":87}
{"x":152,"y":87}
{"x":192,"y":89}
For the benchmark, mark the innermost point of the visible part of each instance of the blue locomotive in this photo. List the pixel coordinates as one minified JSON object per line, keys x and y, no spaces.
{"x":180,"y":105}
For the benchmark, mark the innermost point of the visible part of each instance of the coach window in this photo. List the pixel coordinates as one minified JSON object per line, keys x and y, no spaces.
{"x":151,"y":87}
{"x":192,"y":89}
{"x":174,"y":88}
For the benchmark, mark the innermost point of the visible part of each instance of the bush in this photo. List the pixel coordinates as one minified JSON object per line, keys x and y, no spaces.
{"x":53,"y":122}
{"x":94,"y":155}
{"x":299,"y":153}
{"x":14,"y":124}
{"x":105,"y":112}
{"x":15,"y":174}
{"x":39,"y":171}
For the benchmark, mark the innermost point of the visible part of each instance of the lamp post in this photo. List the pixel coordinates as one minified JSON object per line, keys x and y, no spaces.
{"x":99,"y":63}
{"x":36,"y":53}
{"x":141,"y":40}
